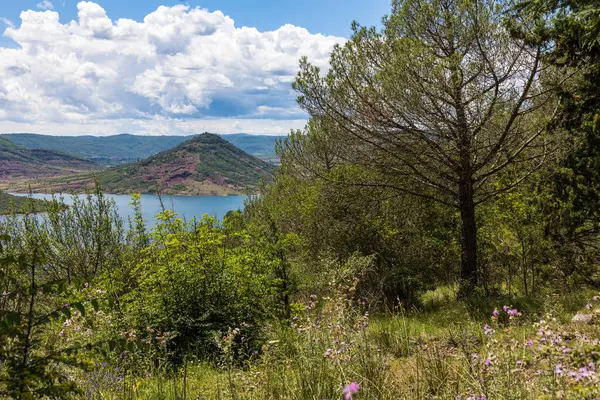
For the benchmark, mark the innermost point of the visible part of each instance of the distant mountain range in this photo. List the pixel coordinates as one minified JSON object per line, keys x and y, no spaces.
{"x":123,"y":148}
{"x":204,"y":164}
{"x":19,"y":162}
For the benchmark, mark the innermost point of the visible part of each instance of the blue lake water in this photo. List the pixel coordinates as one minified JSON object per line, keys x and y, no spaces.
{"x":187,"y":207}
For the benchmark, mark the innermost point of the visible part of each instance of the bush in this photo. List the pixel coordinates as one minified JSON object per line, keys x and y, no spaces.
{"x":194,"y":285}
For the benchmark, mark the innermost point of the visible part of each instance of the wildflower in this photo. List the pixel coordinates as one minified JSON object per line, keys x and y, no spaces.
{"x":148,"y":375}
{"x":487,"y":362}
{"x":495,"y":313}
{"x":558,"y":370}
{"x":505,"y":308}
{"x":350,"y":390}
{"x":530,"y":343}
{"x":575,"y":375}
{"x":487,"y":330}
{"x":588,"y":306}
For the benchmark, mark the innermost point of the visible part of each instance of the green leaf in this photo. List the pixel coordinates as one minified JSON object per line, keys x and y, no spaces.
{"x":95,"y":304}
{"x":13,"y":318}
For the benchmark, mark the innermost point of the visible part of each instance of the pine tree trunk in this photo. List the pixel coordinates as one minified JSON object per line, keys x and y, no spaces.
{"x":468,"y":265}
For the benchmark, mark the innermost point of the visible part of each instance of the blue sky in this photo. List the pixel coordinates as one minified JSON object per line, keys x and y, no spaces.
{"x":332,"y":17}
{"x":164,"y":66}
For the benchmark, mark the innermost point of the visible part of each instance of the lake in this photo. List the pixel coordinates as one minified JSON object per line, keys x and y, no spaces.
{"x":186,"y":206}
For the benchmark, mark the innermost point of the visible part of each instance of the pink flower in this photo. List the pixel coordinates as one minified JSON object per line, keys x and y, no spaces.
{"x":495,"y":313}
{"x":487,"y":330}
{"x":487,"y":362}
{"x":350,"y":390}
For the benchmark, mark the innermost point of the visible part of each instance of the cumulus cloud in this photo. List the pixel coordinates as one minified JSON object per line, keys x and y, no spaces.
{"x":45,"y":5}
{"x":179,"y":70}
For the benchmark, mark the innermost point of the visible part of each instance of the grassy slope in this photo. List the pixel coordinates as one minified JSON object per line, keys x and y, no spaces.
{"x":203,"y":165}
{"x":117,"y":149}
{"x":441,"y":351}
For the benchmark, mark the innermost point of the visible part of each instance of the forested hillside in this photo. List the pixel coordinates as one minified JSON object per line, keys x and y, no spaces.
{"x":432,"y":233}
{"x":19,"y":204}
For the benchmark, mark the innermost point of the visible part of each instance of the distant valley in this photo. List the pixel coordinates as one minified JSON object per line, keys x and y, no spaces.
{"x":123,"y":148}
{"x":205,"y":164}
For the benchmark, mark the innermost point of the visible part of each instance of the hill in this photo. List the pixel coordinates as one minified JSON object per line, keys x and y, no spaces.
{"x":8,"y":203}
{"x":19,"y":162}
{"x":123,"y":148}
{"x":206,"y":164}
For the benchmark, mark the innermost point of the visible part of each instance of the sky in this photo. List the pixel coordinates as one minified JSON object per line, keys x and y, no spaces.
{"x":164,"y":67}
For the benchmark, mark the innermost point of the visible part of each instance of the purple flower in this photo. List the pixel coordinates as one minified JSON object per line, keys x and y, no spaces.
{"x":350,"y":390}
{"x":487,"y":362}
{"x":495,"y":313}
{"x":487,"y":330}
{"x":558,"y":370}
{"x":505,"y":308}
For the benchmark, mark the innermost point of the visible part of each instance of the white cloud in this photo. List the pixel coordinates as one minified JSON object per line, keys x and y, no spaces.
{"x":7,"y":22}
{"x":45,"y":5}
{"x":155,"y":126}
{"x":178,"y":70}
